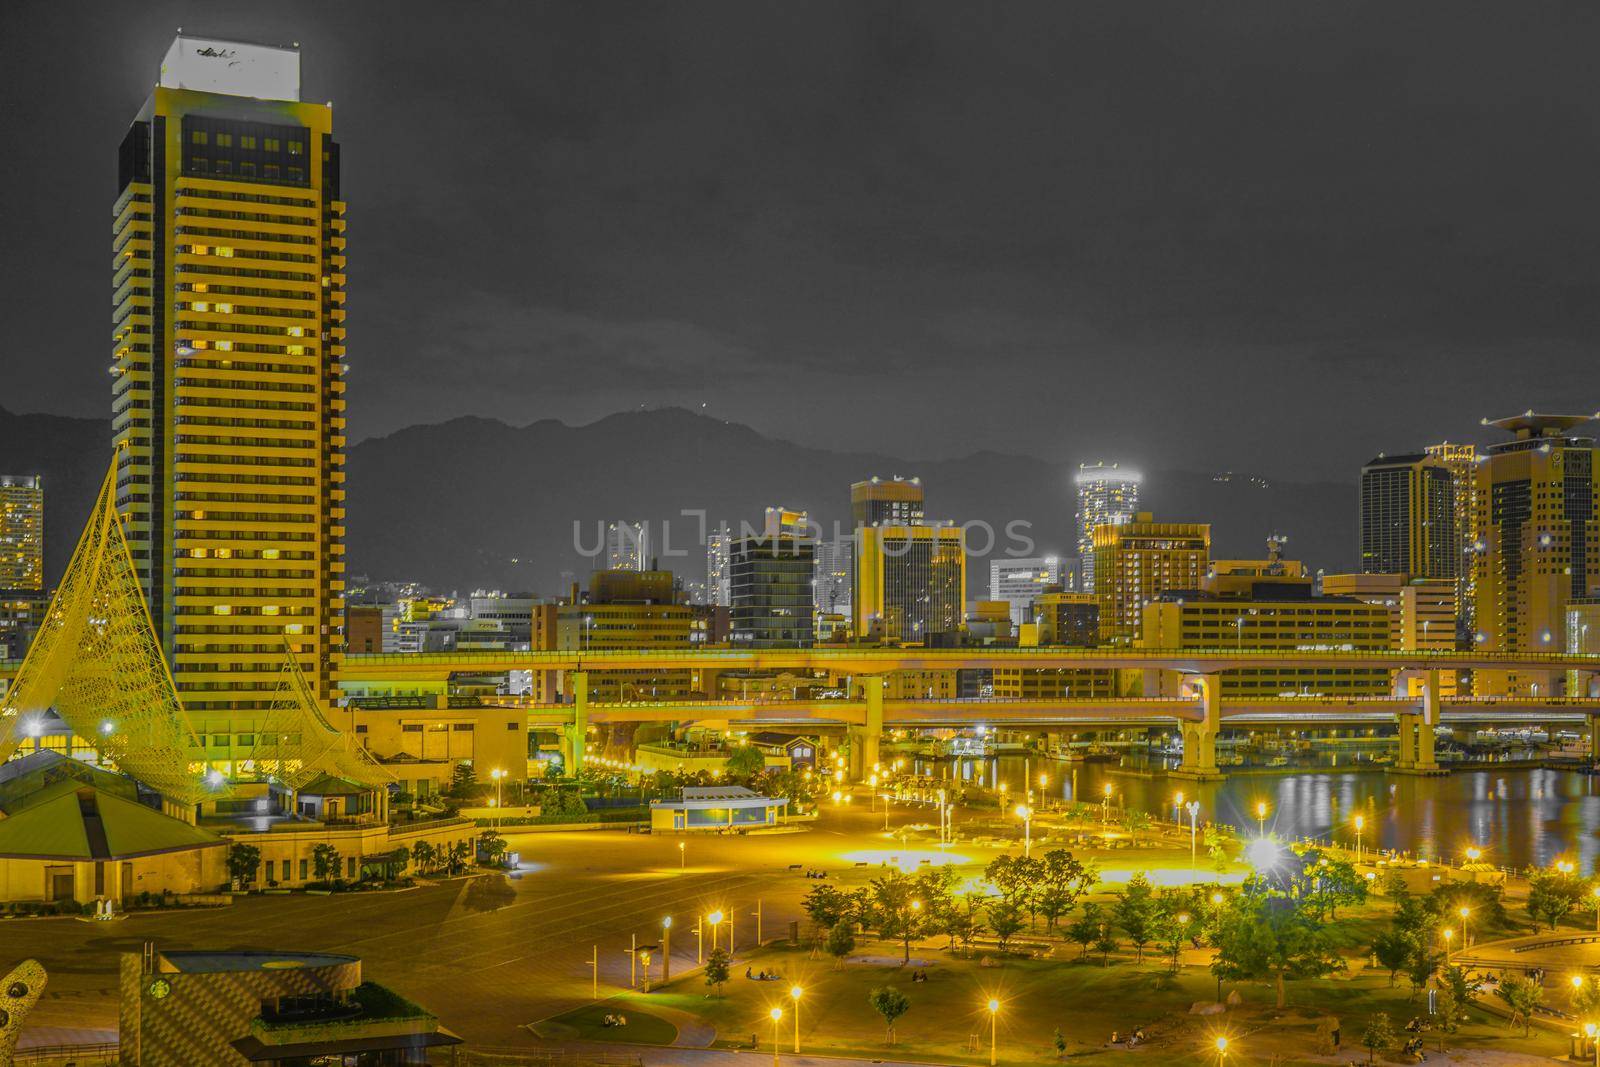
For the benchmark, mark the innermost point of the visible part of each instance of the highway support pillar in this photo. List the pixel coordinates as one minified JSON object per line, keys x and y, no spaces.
{"x":1594,"y":741}
{"x":1200,"y":737}
{"x":864,"y":739}
{"x":575,"y":735}
{"x":1417,"y":731}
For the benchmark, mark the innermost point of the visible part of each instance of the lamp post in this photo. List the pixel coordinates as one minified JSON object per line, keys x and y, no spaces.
{"x":715,"y":919}
{"x":1449,"y":936}
{"x":683,"y":856}
{"x":777,"y":1014}
{"x":1194,"y":831}
{"x":994,"y":1015}
{"x":644,"y":961}
{"x":1593,"y":1033}
{"x":1464,"y":912}
{"x":497,"y":774}
{"x":699,"y":940}
{"x":1025,"y":813}
{"x":795,"y":993}
{"x":1105,"y":804}
{"x":1261,"y":818}
{"x":666,"y":950}
{"x":1360,"y":824}
{"x":1177,"y":807}
{"x":1222,"y":1049}
{"x":594,"y":966}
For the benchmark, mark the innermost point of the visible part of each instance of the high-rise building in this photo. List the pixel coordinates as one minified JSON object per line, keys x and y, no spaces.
{"x":21,"y":534}
{"x":911,"y":582}
{"x":228,"y":388}
{"x":835,"y":575}
{"x":1408,"y":517}
{"x":1019,"y":581}
{"x":629,"y":609}
{"x":1067,"y":618}
{"x":717,"y":589}
{"x":1583,"y":635}
{"x":1107,"y":496}
{"x":1136,"y":561}
{"x":1422,"y":611}
{"x":1537,"y":522}
{"x":771,"y":578}
{"x":786,"y":522}
{"x":627,"y":546}
{"x":1462,"y":463}
{"x":895,"y":501}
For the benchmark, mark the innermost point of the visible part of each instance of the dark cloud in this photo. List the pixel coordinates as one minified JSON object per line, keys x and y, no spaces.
{"x":1164,"y":231}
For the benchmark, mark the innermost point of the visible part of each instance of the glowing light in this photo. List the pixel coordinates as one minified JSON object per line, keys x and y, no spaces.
{"x":907,"y":860}
{"x":714,"y":918}
{"x":994,"y":1006}
{"x":776,"y":1013}
{"x":795,"y":992}
{"x":1263,"y":854}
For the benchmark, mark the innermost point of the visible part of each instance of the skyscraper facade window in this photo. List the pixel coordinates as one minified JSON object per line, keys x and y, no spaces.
{"x":717,"y":588}
{"x":1408,"y":517}
{"x":1107,"y":496}
{"x":911,"y":581}
{"x":21,"y":534}
{"x":228,"y":387}
{"x":1139,"y":560}
{"x":627,"y":546}
{"x":770,"y":580}
{"x":1020,"y":581}
{"x":893,"y":501}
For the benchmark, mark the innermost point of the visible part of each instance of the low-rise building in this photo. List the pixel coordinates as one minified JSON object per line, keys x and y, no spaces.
{"x":716,"y":809}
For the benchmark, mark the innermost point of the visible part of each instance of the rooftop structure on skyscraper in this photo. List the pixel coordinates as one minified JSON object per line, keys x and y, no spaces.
{"x":1107,"y":495}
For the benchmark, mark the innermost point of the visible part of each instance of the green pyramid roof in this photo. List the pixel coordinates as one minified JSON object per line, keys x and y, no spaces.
{"x":54,"y":827}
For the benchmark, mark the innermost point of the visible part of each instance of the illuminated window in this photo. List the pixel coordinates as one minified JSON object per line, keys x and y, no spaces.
{"x":269,"y":553}
{"x":201,"y":287}
{"x":200,"y":305}
{"x":197,"y":553}
{"x":224,"y":346}
{"x":269,"y":609}
{"x":225,"y":309}
{"x":200,"y":250}
{"x":222,"y":609}
{"x":225,"y":252}
{"x":197,"y":137}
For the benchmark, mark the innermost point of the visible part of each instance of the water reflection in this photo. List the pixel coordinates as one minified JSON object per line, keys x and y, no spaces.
{"x":1518,"y":816}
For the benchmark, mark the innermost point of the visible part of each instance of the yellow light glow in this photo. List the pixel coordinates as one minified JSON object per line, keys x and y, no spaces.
{"x":714,"y":918}
{"x":776,"y":1013}
{"x":907,"y":860}
{"x":795,"y":992}
{"x":994,"y":1006}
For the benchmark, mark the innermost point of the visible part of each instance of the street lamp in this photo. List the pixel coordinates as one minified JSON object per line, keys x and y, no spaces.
{"x":497,"y":774}
{"x":1222,"y":1049}
{"x":683,"y":856}
{"x":644,"y":961}
{"x":1593,"y":1033}
{"x":1105,"y":804}
{"x":1360,"y":825}
{"x":1449,"y":936}
{"x":1194,"y":829}
{"x":715,"y":919}
{"x":994,"y":1015}
{"x":777,"y":1014}
{"x":1261,"y":817}
{"x":1177,"y":804}
{"x":1025,"y":813}
{"x":1464,"y":911}
{"x":795,"y":993}
{"x":666,"y":950}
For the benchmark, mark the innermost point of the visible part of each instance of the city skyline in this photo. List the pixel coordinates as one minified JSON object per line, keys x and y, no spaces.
{"x":1360,"y":305}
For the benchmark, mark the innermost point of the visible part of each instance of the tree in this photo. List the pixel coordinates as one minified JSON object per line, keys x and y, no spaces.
{"x":1485,"y":904}
{"x":1083,"y":930}
{"x":1135,"y":912}
{"x":492,"y":845}
{"x":898,"y":908}
{"x":1456,"y":990}
{"x":1005,"y":919}
{"x":1335,"y":882}
{"x":1267,"y":935}
{"x":243,"y":862}
{"x":1393,"y":949}
{"x":325,"y":862}
{"x":1172,"y":924}
{"x":890,"y":1003}
{"x":1063,"y":880}
{"x":746,"y":761}
{"x":463,"y":781}
{"x":1216,"y":843}
{"x":1424,"y":961}
{"x":1105,"y":944}
{"x":424,"y":855}
{"x":841,"y":942}
{"x":716,"y":969}
{"x":1378,"y":1034}
{"x":394,"y":862}
{"x":456,"y":859}
{"x":825,"y":906}
{"x":1135,"y":822}
{"x":1585,"y":999}
{"x":1552,"y":895}
{"x":1522,"y":996}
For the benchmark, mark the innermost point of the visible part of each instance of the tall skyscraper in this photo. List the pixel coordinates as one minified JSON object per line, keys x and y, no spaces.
{"x":835,"y":576}
{"x":228,"y":356}
{"x":1538,"y":542}
{"x":1408,"y":517}
{"x":1020,"y":581}
{"x":1107,"y":496}
{"x":895,"y":501}
{"x":21,"y":534}
{"x":1462,"y":463}
{"x":627,"y":546}
{"x":1136,"y":561}
{"x":717,"y":589}
{"x":770,"y":579}
{"x":21,"y":562}
{"x":911,"y":581}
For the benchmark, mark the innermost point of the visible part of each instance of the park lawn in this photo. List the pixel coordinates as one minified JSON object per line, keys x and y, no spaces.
{"x":948,"y":1021}
{"x":588,"y":1024}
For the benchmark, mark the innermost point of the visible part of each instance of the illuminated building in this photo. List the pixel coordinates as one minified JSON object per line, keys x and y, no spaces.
{"x":1066,"y":618}
{"x":1408,"y":517}
{"x":1138,"y":560}
{"x":1107,"y":496}
{"x":629,"y":609}
{"x":22,"y":600}
{"x":228,"y":388}
{"x":1583,"y":635}
{"x":1462,"y":463}
{"x":786,"y":522}
{"x":717,"y":589}
{"x":835,"y":575}
{"x":911,"y":582}
{"x":895,"y":502}
{"x":1061,"y":683}
{"x":771,"y":578}
{"x":1019,"y":581}
{"x":1422,"y":611}
{"x":1269,"y":605}
{"x":627,"y":546}
{"x":1538,"y":542}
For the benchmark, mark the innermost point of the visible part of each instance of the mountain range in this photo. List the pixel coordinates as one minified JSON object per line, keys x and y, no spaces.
{"x":478,"y":503}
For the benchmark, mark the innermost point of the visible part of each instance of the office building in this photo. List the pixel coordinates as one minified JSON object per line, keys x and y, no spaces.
{"x":894,"y":501}
{"x":1583,"y":635}
{"x":911,"y":582}
{"x":228,"y":376}
{"x":629,"y":609}
{"x":786,"y":522}
{"x":770,"y":578}
{"x":1138,"y":560}
{"x":1019,"y":581}
{"x":1107,"y":496}
{"x":1062,"y":618}
{"x":1537,"y":521}
{"x":1270,"y":606}
{"x":1408,"y":517}
{"x":835,"y":575}
{"x":1422,"y":611}
{"x":717,"y":588}
{"x":1462,"y":463}
{"x":627,"y":546}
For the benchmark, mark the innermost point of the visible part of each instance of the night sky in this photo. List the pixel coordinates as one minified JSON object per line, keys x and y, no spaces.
{"x":1274,"y":236}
